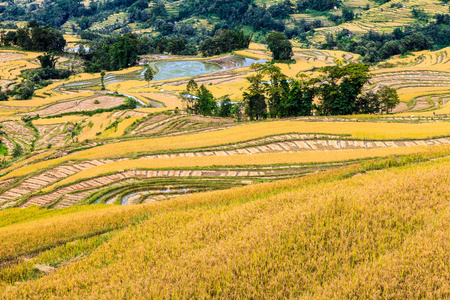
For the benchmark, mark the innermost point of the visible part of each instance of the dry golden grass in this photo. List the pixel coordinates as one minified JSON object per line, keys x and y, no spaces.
{"x":378,"y":235}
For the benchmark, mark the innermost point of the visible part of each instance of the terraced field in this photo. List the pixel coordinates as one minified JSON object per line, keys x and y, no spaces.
{"x":393,"y":212}
{"x":148,"y":154}
{"x":60,"y":179}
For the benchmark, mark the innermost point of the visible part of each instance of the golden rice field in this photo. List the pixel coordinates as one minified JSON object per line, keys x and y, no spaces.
{"x":336,"y":234}
{"x":106,"y":202}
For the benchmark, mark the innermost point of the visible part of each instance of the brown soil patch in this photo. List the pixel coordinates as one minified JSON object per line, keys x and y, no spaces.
{"x":421,"y":105}
{"x":81,"y":105}
{"x":400,"y":107}
{"x":6,"y":56}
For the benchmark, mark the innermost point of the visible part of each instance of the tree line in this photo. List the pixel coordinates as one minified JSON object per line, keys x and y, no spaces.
{"x":35,"y":38}
{"x":375,"y":47}
{"x":339,"y":90}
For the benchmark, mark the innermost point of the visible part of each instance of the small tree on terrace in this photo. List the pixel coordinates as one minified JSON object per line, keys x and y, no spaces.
{"x":48,"y":60}
{"x":255,"y":99}
{"x":148,"y":74}
{"x":280,"y":46}
{"x":102,"y":79}
{"x":389,"y":98}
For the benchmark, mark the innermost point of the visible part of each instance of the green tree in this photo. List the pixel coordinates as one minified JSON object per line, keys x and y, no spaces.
{"x":17,"y":151}
{"x":207,"y":103}
{"x":299,"y":100}
{"x":225,"y":108}
{"x":203,"y":103}
{"x":255,"y":99}
{"x":102,"y":79}
{"x":389,"y":98}
{"x":191,"y":87}
{"x":368,"y":103}
{"x":3,"y":95}
{"x":123,"y":52}
{"x":148,"y":74}
{"x":275,"y":89}
{"x":280,"y":46}
{"x":47,"y":60}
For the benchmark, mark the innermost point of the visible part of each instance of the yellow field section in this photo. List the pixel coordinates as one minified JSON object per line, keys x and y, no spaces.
{"x":35,"y":102}
{"x":151,"y":110}
{"x":384,"y":232}
{"x":98,"y":123}
{"x":27,"y":236}
{"x":252,"y":54}
{"x":425,"y":91}
{"x":111,"y":133}
{"x":363,"y":130}
{"x":239,"y":160}
{"x":169,"y":100}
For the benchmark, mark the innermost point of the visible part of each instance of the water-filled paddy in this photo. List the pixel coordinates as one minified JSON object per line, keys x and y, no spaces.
{"x":166,"y":70}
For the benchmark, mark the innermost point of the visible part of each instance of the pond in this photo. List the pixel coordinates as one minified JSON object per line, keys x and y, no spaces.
{"x":176,"y":69}
{"x":166,"y":70}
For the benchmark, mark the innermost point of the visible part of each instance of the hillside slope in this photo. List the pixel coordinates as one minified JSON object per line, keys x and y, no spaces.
{"x":381,"y":234}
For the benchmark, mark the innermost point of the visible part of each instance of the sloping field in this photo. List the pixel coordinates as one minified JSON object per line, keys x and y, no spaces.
{"x":208,"y":149}
{"x":327,"y":235}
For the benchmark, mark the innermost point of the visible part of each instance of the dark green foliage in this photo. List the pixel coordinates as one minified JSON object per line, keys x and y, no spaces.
{"x":375,"y":47}
{"x":17,"y":151}
{"x":204,"y":102}
{"x":275,"y":89}
{"x":3,"y":95}
{"x":225,"y":41}
{"x":319,"y":5}
{"x":112,"y":54}
{"x":47,"y":60}
{"x":280,"y":46}
{"x":298,"y":100}
{"x":36,"y":38}
{"x":389,"y":98}
{"x":23,"y":91}
{"x":226,"y":108}
{"x":42,"y":77}
{"x":368,"y":103}
{"x":340,"y":88}
{"x":255,"y":99}
{"x":347,"y":14}
{"x":285,"y":98}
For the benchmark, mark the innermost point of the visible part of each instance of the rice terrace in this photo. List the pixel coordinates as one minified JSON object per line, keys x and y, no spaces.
{"x":248,"y":149}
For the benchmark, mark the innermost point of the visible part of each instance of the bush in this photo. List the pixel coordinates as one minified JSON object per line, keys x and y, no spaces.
{"x":17,"y":151}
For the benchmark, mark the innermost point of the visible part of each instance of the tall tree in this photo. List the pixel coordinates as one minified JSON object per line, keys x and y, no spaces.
{"x":299,"y":100}
{"x":341,"y":85}
{"x":276,"y":88}
{"x":204,"y":102}
{"x":255,"y":99}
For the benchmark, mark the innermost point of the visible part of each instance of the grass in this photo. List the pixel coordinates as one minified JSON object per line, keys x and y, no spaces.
{"x":328,"y":235}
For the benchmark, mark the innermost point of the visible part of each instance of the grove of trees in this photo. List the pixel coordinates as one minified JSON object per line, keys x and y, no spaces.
{"x":35,"y":38}
{"x":338,"y":91}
